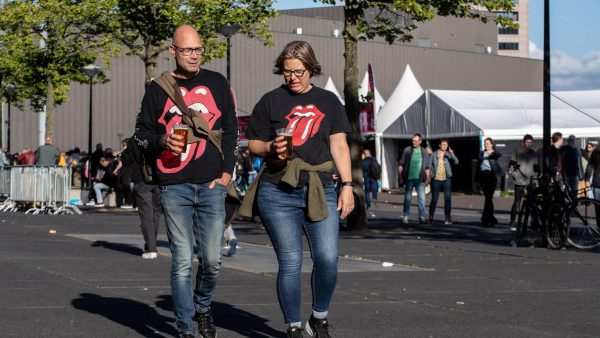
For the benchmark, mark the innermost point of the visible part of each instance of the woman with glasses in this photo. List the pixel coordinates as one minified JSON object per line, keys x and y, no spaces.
{"x":296,"y":194}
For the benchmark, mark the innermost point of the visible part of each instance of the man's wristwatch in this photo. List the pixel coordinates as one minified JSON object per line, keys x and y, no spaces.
{"x":347,"y":184}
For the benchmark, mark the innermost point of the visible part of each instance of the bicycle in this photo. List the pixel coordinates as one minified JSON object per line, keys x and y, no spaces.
{"x":540,"y":195}
{"x":581,"y":217}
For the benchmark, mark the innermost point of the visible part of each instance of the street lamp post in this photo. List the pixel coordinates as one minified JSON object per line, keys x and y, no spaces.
{"x":228,"y":31}
{"x":10,"y":91}
{"x":91,"y":71}
{"x":546,"y":97}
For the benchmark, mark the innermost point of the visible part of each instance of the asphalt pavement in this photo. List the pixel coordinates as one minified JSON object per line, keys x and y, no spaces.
{"x":76,"y":276}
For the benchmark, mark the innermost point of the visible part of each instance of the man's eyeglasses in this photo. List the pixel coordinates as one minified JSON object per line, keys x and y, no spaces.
{"x":297,"y":72}
{"x":188,"y":51}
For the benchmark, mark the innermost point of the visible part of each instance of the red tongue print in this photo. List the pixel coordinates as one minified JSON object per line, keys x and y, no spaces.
{"x":306,"y":121}
{"x":200,"y":98}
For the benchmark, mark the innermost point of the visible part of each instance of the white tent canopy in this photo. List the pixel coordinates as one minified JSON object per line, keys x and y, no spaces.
{"x":505,"y":115}
{"x":331,"y":87}
{"x":500,"y":115}
{"x":406,"y":93}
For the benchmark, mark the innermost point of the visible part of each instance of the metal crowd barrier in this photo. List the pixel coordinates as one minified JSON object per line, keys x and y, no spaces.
{"x":41,"y":189}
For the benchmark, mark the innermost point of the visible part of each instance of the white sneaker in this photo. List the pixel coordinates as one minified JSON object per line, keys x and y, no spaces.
{"x":149,"y":255}
{"x":90,"y":203}
{"x":126,"y":206}
{"x":405,"y":219}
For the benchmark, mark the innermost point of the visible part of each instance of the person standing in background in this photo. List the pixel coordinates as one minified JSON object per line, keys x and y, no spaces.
{"x":47,"y":154}
{"x":523,"y":166}
{"x":414,"y":172}
{"x":441,"y":178}
{"x":488,"y":172}
{"x":370,"y":181}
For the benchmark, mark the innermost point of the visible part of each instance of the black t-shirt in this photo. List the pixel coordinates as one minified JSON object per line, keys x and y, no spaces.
{"x":314,"y":115}
{"x":208,"y":93}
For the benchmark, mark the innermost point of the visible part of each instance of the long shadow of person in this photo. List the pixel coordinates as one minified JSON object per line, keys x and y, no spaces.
{"x":141,"y":317}
{"x":126,"y":248}
{"x":232,"y":319}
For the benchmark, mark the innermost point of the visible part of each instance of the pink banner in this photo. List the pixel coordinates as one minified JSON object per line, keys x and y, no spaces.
{"x":367,"y":113}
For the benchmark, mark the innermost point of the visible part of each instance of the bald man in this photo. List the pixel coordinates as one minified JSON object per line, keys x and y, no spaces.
{"x":47,"y":154}
{"x":192,"y":177}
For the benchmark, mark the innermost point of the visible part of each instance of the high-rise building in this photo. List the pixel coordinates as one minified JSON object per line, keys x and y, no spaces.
{"x":515,"y":41}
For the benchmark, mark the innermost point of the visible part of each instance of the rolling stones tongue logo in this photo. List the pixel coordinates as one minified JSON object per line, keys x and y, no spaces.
{"x":200,"y":99}
{"x":306,"y":121}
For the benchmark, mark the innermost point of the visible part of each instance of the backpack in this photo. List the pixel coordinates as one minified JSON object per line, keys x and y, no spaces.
{"x":374,"y":169}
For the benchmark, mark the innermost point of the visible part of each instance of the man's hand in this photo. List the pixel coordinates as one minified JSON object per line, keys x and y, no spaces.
{"x":223,"y":180}
{"x":175,"y":143}
{"x":345,"y":202}
{"x":278,"y":147}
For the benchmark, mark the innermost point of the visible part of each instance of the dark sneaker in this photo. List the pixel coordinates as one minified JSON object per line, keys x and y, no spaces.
{"x":188,"y":335}
{"x":294,"y":332}
{"x":318,"y":327}
{"x":430,"y":220}
{"x":206,"y":327}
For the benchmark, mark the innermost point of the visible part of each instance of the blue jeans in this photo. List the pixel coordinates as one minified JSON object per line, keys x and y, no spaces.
{"x":98,"y":188}
{"x":283,"y":211}
{"x":420,"y":187}
{"x":193,"y":212}
{"x":436,"y":186}
{"x":370,"y":189}
{"x":596,"y":191}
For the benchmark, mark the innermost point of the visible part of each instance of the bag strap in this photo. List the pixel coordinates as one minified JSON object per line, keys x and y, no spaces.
{"x":190,"y":116}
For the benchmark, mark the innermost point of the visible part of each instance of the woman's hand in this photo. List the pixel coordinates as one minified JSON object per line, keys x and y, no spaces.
{"x":278,"y":147}
{"x":345,"y":202}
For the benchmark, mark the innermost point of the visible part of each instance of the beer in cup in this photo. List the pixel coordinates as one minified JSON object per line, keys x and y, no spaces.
{"x":183,"y":130}
{"x":287,"y":136}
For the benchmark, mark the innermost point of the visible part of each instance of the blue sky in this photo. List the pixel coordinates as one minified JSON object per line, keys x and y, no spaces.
{"x":574,"y":39}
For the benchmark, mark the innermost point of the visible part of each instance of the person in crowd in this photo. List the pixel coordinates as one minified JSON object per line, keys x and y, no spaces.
{"x":585,"y":154}
{"x":147,"y":198}
{"x":47,"y":154}
{"x":297,"y":194}
{"x":414,"y":172}
{"x":4,"y":162}
{"x":62,"y":160}
{"x":192,"y":177}
{"x":523,"y":166}
{"x":488,"y":171}
{"x":95,"y":159}
{"x":441,"y":178}
{"x":26,"y":157}
{"x":554,"y":156}
{"x":126,"y":169}
{"x":105,"y":182}
{"x":370,"y":182}
{"x":571,"y":165}
{"x":592,"y":174}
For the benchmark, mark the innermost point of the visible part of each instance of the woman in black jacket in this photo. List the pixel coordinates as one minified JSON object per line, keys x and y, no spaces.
{"x":488,"y":170}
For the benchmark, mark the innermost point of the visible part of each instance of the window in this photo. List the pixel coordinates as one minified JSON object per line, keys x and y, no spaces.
{"x":510,"y":31}
{"x":508,"y":46}
{"x":514,"y":16}
{"x":423,"y":42}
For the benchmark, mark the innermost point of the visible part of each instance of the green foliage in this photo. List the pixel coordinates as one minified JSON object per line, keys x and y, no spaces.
{"x":44,"y":44}
{"x":146,"y":26}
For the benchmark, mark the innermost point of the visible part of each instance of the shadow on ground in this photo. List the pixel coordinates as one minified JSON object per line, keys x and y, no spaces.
{"x":232,"y":319}
{"x":138,"y":316}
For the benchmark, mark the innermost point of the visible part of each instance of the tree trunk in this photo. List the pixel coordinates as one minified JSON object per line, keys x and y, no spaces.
{"x":358,"y":221}
{"x":150,"y":55}
{"x":49,"y":108}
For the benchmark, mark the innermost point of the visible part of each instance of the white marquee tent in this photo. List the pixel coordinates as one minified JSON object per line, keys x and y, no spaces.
{"x":454,"y":114}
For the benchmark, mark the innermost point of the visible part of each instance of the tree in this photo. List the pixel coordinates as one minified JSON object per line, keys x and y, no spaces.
{"x":147,"y":26}
{"x":393,"y":20}
{"x":44,"y":45}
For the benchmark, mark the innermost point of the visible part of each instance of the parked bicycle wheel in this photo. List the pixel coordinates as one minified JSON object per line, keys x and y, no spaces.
{"x":583,"y":231}
{"x":556,"y":226}
{"x":522,"y":221}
